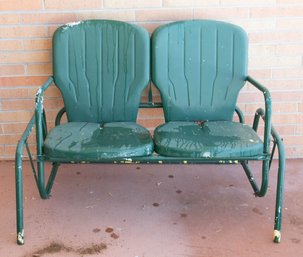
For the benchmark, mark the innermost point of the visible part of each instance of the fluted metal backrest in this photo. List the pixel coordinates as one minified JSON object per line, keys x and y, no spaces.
{"x":101,"y":68}
{"x":199,"y":67}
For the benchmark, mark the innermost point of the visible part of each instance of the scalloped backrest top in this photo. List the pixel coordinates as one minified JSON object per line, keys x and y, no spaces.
{"x":101,"y":68}
{"x":199,"y":66}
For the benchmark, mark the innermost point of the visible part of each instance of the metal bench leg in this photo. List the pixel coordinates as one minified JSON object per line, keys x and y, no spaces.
{"x":19,"y":199}
{"x":280,"y":186}
{"x":280,"y":182}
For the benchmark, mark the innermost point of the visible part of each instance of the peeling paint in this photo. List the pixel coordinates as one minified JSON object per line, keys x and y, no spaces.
{"x":20,"y":237}
{"x":277,"y":236}
{"x":206,"y":154}
{"x":39,"y":97}
{"x":71,"y":24}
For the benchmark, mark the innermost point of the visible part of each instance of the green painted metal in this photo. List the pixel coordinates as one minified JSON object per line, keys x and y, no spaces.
{"x":210,"y":139}
{"x":199,"y":67}
{"x":18,"y":175}
{"x":59,"y":116}
{"x":240,"y":114}
{"x":83,"y":141}
{"x":280,"y":185}
{"x":101,"y":68}
{"x":90,"y":89}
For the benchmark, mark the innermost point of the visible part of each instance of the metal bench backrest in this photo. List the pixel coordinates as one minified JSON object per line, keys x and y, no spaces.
{"x":199,"y":67}
{"x":101,"y":68}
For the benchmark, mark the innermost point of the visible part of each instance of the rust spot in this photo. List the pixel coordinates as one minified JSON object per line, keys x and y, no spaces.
{"x":109,"y":230}
{"x":156,"y":204}
{"x":138,"y":168}
{"x":53,"y":248}
{"x":256,"y":210}
{"x":171,"y":176}
{"x":96,"y":230}
{"x":114,"y":236}
{"x":183,"y":215}
{"x":179,"y":191}
{"x":94,"y":249}
{"x":295,"y":240}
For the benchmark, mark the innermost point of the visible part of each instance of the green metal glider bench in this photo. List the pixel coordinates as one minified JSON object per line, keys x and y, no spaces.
{"x":101,"y":68}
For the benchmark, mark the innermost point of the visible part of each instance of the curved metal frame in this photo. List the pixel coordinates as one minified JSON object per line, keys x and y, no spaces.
{"x":39,"y":121}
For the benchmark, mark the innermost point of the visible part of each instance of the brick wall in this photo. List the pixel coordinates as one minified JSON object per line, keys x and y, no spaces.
{"x":275,"y":30}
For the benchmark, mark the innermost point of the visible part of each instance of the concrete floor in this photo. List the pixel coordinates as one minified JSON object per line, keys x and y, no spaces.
{"x":151,"y":211}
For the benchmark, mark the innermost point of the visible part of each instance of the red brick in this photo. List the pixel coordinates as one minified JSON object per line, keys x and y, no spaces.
{"x":131,"y":3}
{"x":220,"y":13}
{"x":190,"y":3}
{"x":38,"y":44}
{"x":283,"y":84}
{"x":275,"y":61}
{"x":287,"y":50}
{"x":48,"y":18}
{"x":150,"y":123}
{"x":294,"y":152}
{"x":23,"y":32}
{"x":15,"y":116}
{"x":299,"y":129}
{"x":22,"y":81}
{"x":13,"y":93}
{"x":275,"y":37}
{"x":6,"y":19}
{"x":276,"y":107}
{"x":264,"y":12}
{"x":110,"y":14}
{"x":289,"y":23}
{"x":249,"y":25}
{"x":25,"y":57}
{"x":150,"y":113}
{"x":9,"y":139}
{"x":39,"y":69}
{"x":163,"y":15}
{"x":287,"y":73}
{"x":17,"y":104}
{"x":13,"y":128}
{"x":8,"y":45}
{"x":151,"y":26}
{"x":18,"y":5}
{"x":293,"y":140}
{"x":260,"y":73}
{"x":289,"y":2}
{"x":285,"y":129}
{"x":285,"y":119}
{"x":72,"y":5}
{"x":8,"y":70}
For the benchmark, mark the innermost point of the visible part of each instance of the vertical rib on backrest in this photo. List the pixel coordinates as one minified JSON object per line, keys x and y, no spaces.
{"x":199,"y":67}
{"x":101,"y":68}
